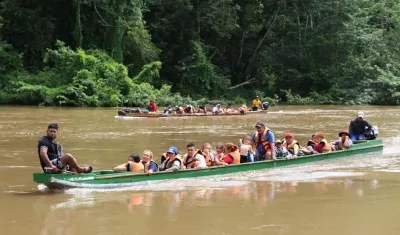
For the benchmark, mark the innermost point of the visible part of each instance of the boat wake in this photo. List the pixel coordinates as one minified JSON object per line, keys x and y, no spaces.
{"x":164,"y":185}
{"x":16,"y":167}
{"x":308,"y":176}
{"x":128,"y":118}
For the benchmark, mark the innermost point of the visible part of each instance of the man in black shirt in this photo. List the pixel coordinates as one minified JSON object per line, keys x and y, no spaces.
{"x":52,"y":157}
{"x":358,"y":127}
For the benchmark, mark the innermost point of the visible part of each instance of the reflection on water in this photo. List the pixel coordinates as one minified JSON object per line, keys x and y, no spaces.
{"x":75,"y":202}
{"x":260,"y":191}
{"x":260,"y":197}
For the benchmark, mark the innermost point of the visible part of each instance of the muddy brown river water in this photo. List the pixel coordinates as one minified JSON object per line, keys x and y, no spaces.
{"x":355,"y":195}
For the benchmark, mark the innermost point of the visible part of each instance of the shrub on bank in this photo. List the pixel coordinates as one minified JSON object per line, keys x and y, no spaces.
{"x":93,"y":79}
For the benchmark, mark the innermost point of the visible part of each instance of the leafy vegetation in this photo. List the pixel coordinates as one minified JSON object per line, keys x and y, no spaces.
{"x":125,"y":52}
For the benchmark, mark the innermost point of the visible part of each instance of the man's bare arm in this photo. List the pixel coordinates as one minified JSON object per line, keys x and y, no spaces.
{"x":44,"y":156}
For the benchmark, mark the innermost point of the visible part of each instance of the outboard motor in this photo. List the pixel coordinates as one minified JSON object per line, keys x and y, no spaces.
{"x":265,"y":105}
{"x":371,"y":135}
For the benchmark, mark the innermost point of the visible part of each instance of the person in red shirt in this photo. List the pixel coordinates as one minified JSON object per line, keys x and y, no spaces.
{"x":152,"y":107}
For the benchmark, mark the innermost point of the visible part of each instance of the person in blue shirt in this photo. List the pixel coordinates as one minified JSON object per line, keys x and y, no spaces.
{"x":150,"y":166}
{"x":264,"y":142}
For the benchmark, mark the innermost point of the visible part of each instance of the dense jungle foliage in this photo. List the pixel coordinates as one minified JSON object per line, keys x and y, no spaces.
{"x":124,"y":52}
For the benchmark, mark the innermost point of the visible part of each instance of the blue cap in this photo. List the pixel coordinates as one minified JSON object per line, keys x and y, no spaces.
{"x":259,"y":124}
{"x":173,"y":150}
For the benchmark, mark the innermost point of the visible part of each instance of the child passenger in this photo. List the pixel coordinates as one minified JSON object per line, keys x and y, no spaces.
{"x":280,"y":151}
{"x":245,"y":149}
{"x":208,"y":154}
{"x":134,"y":164}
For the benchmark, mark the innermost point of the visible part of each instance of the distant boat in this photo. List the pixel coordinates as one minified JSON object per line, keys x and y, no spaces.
{"x":145,"y":113}
{"x":112,"y":179}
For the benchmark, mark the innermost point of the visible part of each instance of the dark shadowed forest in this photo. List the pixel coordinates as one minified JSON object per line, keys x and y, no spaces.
{"x":125,"y":52}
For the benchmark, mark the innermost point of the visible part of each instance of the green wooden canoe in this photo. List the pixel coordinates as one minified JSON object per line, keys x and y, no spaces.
{"x":111,"y":179}
{"x":122,"y":113}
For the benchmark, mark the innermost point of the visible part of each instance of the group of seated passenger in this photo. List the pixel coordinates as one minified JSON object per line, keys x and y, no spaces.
{"x":229,"y":153}
{"x":214,"y":109}
{"x":171,"y":160}
{"x":290,"y":148}
{"x":261,"y":146}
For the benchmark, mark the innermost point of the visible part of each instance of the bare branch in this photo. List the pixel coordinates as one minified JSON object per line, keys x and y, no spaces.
{"x":252,"y":80}
{"x":98,"y":13}
{"x":271,"y":25}
{"x":214,"y":53}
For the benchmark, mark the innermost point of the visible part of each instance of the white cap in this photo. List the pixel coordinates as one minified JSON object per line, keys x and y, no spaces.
{"x":360,"y":114}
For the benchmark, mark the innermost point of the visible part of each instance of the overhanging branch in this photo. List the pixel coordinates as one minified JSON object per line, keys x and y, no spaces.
{"x":252,"y":80}
{"x":271,"y":25}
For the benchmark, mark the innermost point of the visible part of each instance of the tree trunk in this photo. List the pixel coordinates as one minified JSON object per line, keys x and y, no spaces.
{"x":78,"y":25}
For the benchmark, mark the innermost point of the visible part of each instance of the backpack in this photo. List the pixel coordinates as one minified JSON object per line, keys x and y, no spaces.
{"x":281,"y":152}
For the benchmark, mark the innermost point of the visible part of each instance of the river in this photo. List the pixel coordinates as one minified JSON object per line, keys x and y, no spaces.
{"x":355,"y":195}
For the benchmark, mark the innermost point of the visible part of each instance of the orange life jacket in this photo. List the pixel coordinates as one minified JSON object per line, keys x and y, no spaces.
{"x":190,"y":162}
{"x":168,"y":162}
{"x":327,"y":146}
{"x":135,"y":166}
{"x":264,"y":141}
{"x":235,"y":156}
{"x":208,"y":158}
{"x":290,"y":146}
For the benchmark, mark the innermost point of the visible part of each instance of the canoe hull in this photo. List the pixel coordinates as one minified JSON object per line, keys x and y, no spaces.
{"x":110,"y":179}
{"x":161,"y":115}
